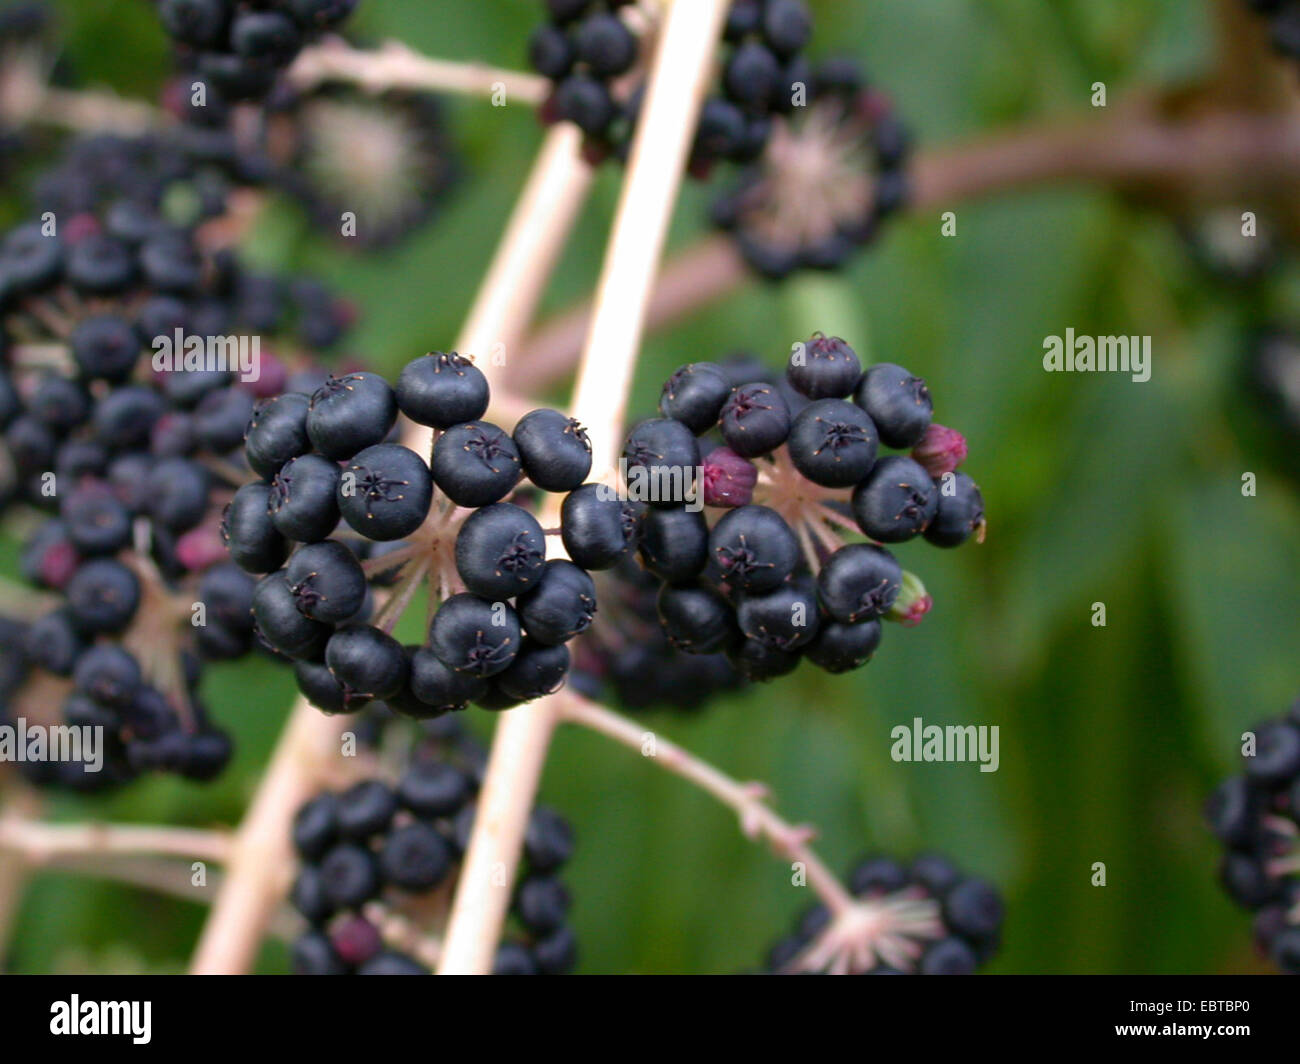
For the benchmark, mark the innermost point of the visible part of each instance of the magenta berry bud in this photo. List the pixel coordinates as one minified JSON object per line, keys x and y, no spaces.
{"x":356,"y":940}
{"x":728,"y":479}
{"x":941,"y":450}
{"x":200,"y":548}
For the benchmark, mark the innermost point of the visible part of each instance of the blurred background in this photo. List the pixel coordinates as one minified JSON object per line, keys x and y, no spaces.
{"x":1097,"y":490}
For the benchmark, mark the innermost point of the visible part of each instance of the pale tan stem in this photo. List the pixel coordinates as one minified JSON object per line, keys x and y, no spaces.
{"x":677,"y":83}
{"x":260,"y":863}
{"x":97,"y":112}
{"x":39,"y":843}
{"x":757,"y":819}
{"x":395,"y":66}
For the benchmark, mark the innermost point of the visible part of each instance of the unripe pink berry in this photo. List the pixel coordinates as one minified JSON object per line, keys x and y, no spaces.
{"x":941,"y":450}
{"x":728,"y":479}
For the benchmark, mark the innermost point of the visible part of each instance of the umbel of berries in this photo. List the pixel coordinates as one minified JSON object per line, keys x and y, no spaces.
{"x":1256,"y":815}
{"x":341,"y":507}
{"x":923,"y":918}
{"x":832,"y":172}
{"x":774,"y":543}
{"x":592,"y":51}
{"x":378,"y":862}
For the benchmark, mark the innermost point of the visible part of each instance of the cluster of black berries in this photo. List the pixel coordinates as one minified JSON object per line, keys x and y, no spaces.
{"x":772,"y":581}
{"x":116,"y":424}
{"x":1257,"y":817}
{"x":505,"y":613}
{"x":924,"y":919}
{"x":832,"y":171}
{"x":240,"y":48}
{"x":589,"y":50}
{"x":380,"y":861}
{"x":1284,"y":24}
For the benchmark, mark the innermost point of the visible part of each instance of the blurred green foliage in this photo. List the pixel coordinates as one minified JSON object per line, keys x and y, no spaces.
{"x":1097,"y":489}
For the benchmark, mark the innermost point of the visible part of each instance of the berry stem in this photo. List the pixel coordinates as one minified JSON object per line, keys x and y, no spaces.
{"x":757,"y":819}
{"x":391,"y":612}
{"x":677,"y":83}
{"x":393,"y":65}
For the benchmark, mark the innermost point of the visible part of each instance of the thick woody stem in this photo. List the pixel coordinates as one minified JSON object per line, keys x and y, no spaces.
{"x":257,"y":875}
{"x":676,"y":87}
{"x":395,"y":66}
{"x":757,"y":819}
{"x":1130,"y":151}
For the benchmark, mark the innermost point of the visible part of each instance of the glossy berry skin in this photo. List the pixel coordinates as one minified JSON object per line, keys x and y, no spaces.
{"x":249,"y":533}
{"x":310,"y":897}
{"x":898,"y":403}
{"x":303,"y":500}
{"x":597,"y":527}
{"x":876,"y":876}
{"x":476,"y":464}
{"x":548,"y":840}
{"x":177,"y":489}
{"x":277,"y":432}
{"x":560,"y":605}
{"x":949,"y":956}
{"x":367,"y":660}
{"x":434,"y":789}
{"x":537,"y":670}
{"x":787,"y":25}
{"x":585,"y":102}
{"x":550,"y":52}
{"x":669,"y":456}
{"x":1233,"y":812}
{"x":694,"y":396}
{"x":385,"y":492}
{"x":96,"y":522}
{"x":753,"y":549}
{"x":785,"y":617}
{"x":974,"y":910}
{"x":1277,"y":753}
{"x":554,"y":450}
{"x":105,"y":348}
{"x":109,"y":675}
{"x":674,"y":543}
{"x":839,"y":647}
{"x":435,"y":685}
{"x":312,"y":954}
{"x":281,"y":624}
{"x":500,"y":551}
{"x":59,"y":403}
{"x":441,"y":390}
{"x":557,"y":953}
{"x":762,"y":662}
{"x":472,"y":635}
{"x":390,"y":962}
{"x":960,"y":514}
{"x":824,"y":368}
{"x":696,"y":619}
{"x":365,"y":810}
{"x":350,"y":874}
{"x":415,"y":857}
{"x":542,"y":903}
{"x":267,"y":37}
{"x":752,"y":74}
{"x":859,"y":582}
{"x":53,"y":643}
{"x":896,"y":502}
{"x":326,"y":581}
{"x":605,"y":44}
{"x":322,"y":690}
{"x":102,"y":596}
{"x":350,"y":413}
{"x":833,"y":443}
{"x":755,"y":420}
{"x":316,"y":826}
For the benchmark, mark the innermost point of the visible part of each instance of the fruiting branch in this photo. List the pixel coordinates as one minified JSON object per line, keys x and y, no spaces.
{"x":678,"y":80}
{"x":758,"y":821}
{"x":395,"y":66}
{"x":258,"y":873}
